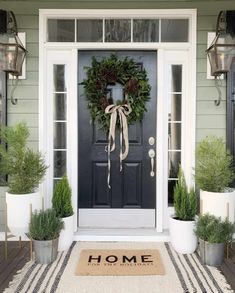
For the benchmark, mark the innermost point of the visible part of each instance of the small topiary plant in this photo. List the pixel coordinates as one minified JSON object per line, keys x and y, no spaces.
{"x":213,"y":230}
{"x":185,"y":202}
{"x":45,"y":225}
{"x":25,"y":168}
{"x":214,"y":171}
{"x":61,"y":200}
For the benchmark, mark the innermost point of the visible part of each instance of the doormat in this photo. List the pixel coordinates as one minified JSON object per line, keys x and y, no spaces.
{"x":119,"y":262}
{"x":183,"y":273}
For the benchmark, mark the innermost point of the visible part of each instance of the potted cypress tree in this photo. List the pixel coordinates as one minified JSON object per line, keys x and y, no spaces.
{"x":61,"y":202}
{"x":44,"y":229}
{"x":213,"y":174}
{"x":25,"y":169}
{"x":182,"y":223}
{"x":213,"y":234}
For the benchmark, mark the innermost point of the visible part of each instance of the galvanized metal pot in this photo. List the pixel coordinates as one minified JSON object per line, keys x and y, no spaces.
{"x":212,"y":254}
{"x":45,"y":251}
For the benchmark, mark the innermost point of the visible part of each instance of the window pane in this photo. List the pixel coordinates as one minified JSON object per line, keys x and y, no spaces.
{"x":174,"y":107}
{"x":60,"y":107}
{"x":90,"y":30}
{"x":174,"y":160}
{"x":117,"y":30}
{"x":174,"y":136}
{"x":59,"y":78}
{"x":171,"y":185}
{"x":60,"y":30}
{"x":146,"y":30}
{"x":176,"y":78}
{"x":60,"y":135}
{"x":59,"y":163}
{"x":55,"y":181}
{"x":174,"y":30}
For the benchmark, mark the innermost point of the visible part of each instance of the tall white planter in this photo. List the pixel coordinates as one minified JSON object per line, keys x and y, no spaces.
{"x":218,"y":204}
{"x":182,"y":236}
{"x":18,"y":211}
{"x":66,"y":235}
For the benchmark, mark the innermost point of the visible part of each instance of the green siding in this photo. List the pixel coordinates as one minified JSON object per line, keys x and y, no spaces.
{"x":210,"y":119}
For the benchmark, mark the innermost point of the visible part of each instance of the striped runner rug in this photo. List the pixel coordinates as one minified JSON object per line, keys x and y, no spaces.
{"x":184,"y":273}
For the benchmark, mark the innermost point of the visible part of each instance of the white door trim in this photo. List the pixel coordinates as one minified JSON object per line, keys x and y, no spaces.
{"x":70,"y":49}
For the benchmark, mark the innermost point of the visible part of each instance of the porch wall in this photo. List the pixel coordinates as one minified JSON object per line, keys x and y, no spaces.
{"x":210,"y":119}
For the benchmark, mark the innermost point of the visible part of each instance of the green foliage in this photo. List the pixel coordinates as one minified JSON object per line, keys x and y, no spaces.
{"x":109,"y":71}
{"x":185,"y":202}
{"x":25,"y":168}
{"x":61,"y":199}
{"x":214,"y":169}
{"x":45,"y":225}
{"x":213,"y":230}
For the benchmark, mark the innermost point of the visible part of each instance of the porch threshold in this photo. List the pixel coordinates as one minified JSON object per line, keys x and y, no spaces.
{"x":135,"y":235}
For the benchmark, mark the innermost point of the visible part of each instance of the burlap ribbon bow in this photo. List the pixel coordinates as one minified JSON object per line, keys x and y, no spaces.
{"x":122,"y":111}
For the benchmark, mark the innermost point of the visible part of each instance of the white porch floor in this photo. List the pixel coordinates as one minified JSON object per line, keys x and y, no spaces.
{"x":140,"y":235}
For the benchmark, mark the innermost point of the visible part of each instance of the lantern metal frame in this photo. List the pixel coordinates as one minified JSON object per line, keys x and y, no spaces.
{"x":214,"y":49}
{"x":14,"y":59}
{"x":12,"y":52}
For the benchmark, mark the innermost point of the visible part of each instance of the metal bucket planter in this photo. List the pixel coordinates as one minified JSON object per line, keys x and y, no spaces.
{"x":46,"y":251}
{"x":212,"y":254}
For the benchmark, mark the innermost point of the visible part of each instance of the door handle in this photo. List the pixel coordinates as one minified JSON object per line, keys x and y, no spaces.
{"x":152,"y":156}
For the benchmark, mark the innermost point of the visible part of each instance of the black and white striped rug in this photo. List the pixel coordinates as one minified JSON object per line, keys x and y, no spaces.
{"x":184,"y":273}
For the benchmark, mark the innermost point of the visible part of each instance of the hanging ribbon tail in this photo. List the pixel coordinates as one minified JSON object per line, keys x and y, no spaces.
{"x":123,"y":111}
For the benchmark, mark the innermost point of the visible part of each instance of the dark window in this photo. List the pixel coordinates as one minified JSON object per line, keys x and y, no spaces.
{"x":230,"y":133}
{"x":2,"y":108}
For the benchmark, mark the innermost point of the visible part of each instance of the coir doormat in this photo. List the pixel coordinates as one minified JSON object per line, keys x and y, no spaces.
{"x":119,"y":262}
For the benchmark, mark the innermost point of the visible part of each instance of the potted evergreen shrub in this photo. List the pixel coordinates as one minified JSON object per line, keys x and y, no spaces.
{"x":25,"y":169}
{"x":213,"y":174}
{"x":213,"y":234}
{"x":44,"y":229}
{"x":61,"y":202}
{"x":182,"y":223}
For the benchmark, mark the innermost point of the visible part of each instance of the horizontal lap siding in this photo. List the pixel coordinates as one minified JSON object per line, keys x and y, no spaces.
{"x":210,"y":119}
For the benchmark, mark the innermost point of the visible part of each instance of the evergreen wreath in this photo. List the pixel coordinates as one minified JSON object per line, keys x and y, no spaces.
{"x":110,"y":71}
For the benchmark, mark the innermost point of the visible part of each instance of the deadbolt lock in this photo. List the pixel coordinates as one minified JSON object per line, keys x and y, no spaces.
{"x":151,"y":140}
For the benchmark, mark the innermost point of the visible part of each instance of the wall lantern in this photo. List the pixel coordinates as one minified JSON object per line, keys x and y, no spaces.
{"x":12,"y":51}
{"x":222,"y":50}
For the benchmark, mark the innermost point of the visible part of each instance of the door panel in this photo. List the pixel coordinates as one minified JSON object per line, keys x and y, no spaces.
{"x":133,"y":187}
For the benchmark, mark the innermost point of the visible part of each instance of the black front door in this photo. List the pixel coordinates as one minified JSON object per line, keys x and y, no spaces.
{"x":134,"y":187}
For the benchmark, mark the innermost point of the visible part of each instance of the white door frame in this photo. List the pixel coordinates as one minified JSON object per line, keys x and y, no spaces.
{"x":50,"y":53}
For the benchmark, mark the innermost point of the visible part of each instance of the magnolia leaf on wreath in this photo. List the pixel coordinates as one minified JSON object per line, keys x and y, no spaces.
{"x":111,"y":71}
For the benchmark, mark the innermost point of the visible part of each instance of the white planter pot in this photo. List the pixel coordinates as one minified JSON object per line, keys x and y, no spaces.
{"x":182,"y":236}
{"x":18,"y":211}
{"x":218,"y":204}
{"x":66,"y":235}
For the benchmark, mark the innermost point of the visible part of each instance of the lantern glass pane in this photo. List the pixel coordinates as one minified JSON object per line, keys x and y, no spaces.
{"x":11,"y":57}
{"x":225,"y":55}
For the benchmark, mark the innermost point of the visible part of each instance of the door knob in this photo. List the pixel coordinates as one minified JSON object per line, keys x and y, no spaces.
{"x":151,"y":154}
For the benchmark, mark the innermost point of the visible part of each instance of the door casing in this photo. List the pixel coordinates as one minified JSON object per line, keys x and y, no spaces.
{"x":55,"y":53}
